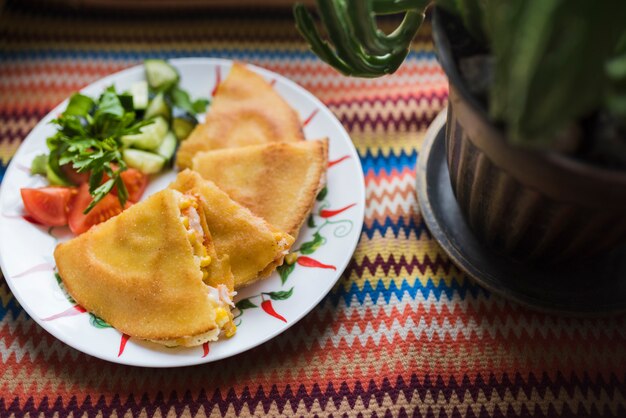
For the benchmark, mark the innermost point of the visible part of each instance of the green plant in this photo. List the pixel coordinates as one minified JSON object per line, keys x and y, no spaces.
{"x":555,"y":61}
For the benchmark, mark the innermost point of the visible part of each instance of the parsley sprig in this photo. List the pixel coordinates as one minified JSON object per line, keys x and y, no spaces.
{"x":89,"y":138}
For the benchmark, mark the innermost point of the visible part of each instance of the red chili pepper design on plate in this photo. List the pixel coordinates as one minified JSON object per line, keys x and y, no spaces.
{"x":337,"y":161}
{"x":23,"y":167}
{"x":326,"y":213}
{"x":267,"y":307}
{"x":310,"y":118}
{"x":205,"y":349}
{"x":74,"y":310}
{"x":218,"y":80}
{"x":310,"y":262}
{"x":123,"y":341}
{"x":35,"y":269}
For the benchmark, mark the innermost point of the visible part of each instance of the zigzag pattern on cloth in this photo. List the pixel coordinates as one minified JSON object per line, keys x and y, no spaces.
{"x":403,"y":333}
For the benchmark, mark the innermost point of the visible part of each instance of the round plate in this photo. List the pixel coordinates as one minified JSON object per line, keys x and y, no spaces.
{"x":593,"y":288}
{"x":26,"y":250}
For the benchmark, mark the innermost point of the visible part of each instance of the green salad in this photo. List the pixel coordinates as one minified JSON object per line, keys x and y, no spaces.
{"x":97,"y":139}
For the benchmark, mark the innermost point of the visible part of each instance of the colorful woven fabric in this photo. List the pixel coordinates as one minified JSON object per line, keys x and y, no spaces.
{"x":403,"y":333}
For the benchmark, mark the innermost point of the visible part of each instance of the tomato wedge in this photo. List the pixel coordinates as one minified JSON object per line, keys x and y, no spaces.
{"x":136,"y":183}
{"x":48,"y":205}
{"x":105,"y":209}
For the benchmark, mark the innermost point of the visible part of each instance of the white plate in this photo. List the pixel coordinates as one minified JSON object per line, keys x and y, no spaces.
{"x":26,"y":249}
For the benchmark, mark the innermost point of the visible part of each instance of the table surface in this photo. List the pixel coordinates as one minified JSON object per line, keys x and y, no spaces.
{"x":403,"y":333}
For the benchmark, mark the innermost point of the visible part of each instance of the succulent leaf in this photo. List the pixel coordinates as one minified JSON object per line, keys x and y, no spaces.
{"x":360,"y":48}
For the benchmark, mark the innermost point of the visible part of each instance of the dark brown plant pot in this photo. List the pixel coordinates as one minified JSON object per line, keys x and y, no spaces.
{"x":533,"y":206}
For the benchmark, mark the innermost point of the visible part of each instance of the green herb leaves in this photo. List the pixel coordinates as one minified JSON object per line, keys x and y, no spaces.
{"x":88,"y":138}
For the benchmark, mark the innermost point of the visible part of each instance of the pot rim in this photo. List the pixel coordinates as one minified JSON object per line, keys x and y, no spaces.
{"x":562,"y":161}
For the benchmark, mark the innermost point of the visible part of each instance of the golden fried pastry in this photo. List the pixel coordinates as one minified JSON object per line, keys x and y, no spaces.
{"x":278,"y":182}
{"x":245,"y":110}
{"x":142,"y":272}
{"x":254,"y":247}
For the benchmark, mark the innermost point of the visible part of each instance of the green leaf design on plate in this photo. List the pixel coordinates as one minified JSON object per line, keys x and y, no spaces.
{"x":245,"y":304}
{"x":281,"y":295}
{"x":310,"y":246}
{"x":311,"y":222}
{"x":284,"y":271}
{"x":98,"y":322}
{"x":322,"y":194}
{"x":69,"y":298}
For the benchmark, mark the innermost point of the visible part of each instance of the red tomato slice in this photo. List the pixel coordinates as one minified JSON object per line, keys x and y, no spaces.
{"x":48,"y":205}
{"x":136,"y":183}
{"x":105,"y":209}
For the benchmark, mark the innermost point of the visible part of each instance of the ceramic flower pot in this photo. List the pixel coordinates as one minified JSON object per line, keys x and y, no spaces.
{"x":533,"y":206}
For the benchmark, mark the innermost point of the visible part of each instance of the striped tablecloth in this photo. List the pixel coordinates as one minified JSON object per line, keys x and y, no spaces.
{"x":403,"y":333}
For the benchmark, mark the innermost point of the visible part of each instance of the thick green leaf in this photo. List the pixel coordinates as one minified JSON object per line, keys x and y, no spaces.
{"x":284,"y":271}
{"x":322,"y":194}
{"x":360,"y":48}
{"x":245,"y":304}
{"x":69,"y":298}
{"x":311,"y":246}
{"x":550,"y":63}
{"x":280,"y":295}
{"x":98,"y":322}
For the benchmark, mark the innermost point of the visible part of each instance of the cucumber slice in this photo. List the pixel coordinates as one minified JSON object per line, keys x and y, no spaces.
{"x":149,"y":137}
{"x":182,"y":127}
{"x":55,"y":175}
{"x":168,"y":146}
{"x":144,"y":161}
{"x":158,"y":107}
{"x":39,"y":165}
{"x":160,"y":74}
{"x":139,"y":91}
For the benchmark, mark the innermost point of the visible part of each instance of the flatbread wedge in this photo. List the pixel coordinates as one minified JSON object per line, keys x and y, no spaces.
{"x":245,"y":110}
{"x":254,"y":247}
{"x":145,"y":272}
{"x":278,"y":182}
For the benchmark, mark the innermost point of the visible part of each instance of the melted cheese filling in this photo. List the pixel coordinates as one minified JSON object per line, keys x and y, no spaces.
{"x":219,"y":297}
